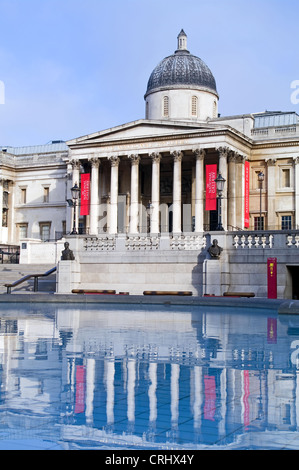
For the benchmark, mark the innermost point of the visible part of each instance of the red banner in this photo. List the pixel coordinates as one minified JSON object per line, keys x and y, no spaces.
{"x":85,"y":193}
{"x":246,"y":200}
{"x":211,"y":189}
{"x":272,"y":278}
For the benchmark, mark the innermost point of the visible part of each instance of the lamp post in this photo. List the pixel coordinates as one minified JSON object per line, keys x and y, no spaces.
{"x":220,"y":182}
{"x":75,"y":196}
{"x":260,"y":180}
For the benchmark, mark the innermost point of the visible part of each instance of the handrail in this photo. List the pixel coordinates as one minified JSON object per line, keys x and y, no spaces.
{"x":25,"y":278}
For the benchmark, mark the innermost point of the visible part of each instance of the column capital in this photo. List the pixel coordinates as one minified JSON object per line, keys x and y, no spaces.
{"x":223,"y":151}
{"x":177,"y":155}
{"x":199,"y":153}
{"x":95,"y":162}
{"x":271,"y":161}
{"x":296,"y":160}
{"x":75,"y":164}
{"x":114,"y":160}
{"x":135,"y":158}
{"x":156,"y":157}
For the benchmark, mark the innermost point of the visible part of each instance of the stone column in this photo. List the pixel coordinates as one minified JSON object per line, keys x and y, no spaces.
{"x":156,"y":158}
{"x":231,"y":214}
{"x":135,"y":159}
{"x":223,"y":153}
{"x":296,"y":163}
{"x":76,"y":179}
{"x":177,"y":191}
{"x":199,"y":189}
{"x":240,"y":191}
{"x":271,"y":188}
{"x":113,"y":194}
{"x":2,"y":240}
{"x":94,"y":196}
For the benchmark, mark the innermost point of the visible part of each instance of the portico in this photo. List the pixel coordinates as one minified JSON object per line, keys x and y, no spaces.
{"x":172,"y":180}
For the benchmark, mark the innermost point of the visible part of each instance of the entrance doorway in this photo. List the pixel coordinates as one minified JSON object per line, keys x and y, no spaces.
{"x":294,"y":281}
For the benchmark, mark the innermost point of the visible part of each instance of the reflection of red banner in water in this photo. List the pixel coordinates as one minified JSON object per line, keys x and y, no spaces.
{"x":271,"y":330}
{"x":211,"y":175}
{"x":210,"y":397}
{"x":85,"y":193}
{"x":245,"y":398}
{"x":80,"y":389}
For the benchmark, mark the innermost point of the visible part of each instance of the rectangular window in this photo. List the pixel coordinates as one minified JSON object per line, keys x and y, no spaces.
{"x":259,"y":223}
{"x":46,"y":194}
{"x":23,"y":231}
{"x":45,"y":228}
{"x":286,"y":181}
{"x":23,"y":195}
{"x":286,"y":222}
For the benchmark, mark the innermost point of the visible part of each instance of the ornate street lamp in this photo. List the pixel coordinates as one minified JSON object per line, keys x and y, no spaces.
{"x":261,"y":178}
{"x":220,"y":182}
{"x":75,"y":196}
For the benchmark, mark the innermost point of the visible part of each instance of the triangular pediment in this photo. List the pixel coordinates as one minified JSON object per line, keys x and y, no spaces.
{"x":138,"y":130}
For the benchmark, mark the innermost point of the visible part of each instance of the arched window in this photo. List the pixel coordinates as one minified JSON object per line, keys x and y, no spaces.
{"x":214,"y":109}
{"x":165,"y":106}
{"x":194,"y":107}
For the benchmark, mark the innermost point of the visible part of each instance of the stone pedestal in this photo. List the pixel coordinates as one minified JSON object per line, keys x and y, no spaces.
{"x":68,"y":276}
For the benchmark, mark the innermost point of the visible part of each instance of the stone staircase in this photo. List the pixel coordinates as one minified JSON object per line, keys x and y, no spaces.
{"x":10,"y":273}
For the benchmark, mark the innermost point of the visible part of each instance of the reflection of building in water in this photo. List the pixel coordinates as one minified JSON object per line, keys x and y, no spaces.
{"x":118,"y":376}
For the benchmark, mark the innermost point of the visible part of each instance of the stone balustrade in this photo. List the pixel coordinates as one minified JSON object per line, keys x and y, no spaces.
{"x":278,"y":239}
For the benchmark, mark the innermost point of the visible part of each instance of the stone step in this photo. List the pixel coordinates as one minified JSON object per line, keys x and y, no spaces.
{"x":10,"y":273}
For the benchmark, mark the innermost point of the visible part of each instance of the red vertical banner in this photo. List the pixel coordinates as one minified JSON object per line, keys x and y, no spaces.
{"x":80,"y":389}
{"x":272,"y":278}
{"x":85,"y":194}
{"x":246,"y":194}
{"x":211,"y":190}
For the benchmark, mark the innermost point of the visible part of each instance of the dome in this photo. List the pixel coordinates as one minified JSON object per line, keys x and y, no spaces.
{"x":181,"y":70}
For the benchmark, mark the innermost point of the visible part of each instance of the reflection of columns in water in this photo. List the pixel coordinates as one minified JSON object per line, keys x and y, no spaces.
{"x":131,"y":390}
{"x":175,"y":374}
{"x":198,"y":395}
{"x":110,"y":372}
{"x":152,"y":391}
{"x":90,"y":380}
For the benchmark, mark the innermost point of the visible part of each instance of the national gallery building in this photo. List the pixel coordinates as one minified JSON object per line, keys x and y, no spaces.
{"x":160,"y":183}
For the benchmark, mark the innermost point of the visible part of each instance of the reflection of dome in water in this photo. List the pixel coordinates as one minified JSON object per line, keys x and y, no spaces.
{"x":181,"y":69}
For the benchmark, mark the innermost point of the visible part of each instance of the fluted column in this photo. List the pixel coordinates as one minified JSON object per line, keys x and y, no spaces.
{"x":271,"y":189}
{"x":113,"y":194}
{"x":94,"y":196}
{"x":231,"y":215}
{"x":177,"y":191}
{"x":76,"y":179}
{"x":199,"y":189}
{"x":296,"y":163}
{"x":223,"y":153}
{"x":156,"y":158}
{"x":134,"y":213}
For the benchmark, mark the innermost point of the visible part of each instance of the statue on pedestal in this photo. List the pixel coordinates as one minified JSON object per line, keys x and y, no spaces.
{"x":67,"y":254}
{"x":215,"y":250}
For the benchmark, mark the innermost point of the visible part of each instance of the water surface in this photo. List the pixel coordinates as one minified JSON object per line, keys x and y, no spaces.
{"x":142,"y":377}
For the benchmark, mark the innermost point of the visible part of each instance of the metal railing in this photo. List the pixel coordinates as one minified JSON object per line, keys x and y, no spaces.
{"x":26,"y":278}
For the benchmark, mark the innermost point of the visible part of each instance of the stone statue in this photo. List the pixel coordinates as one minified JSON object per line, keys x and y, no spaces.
{"x":215,"y":250}
{"x":67,"y":254}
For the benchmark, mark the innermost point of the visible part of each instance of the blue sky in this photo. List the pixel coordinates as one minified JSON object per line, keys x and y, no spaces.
{"x":73,"y":67}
